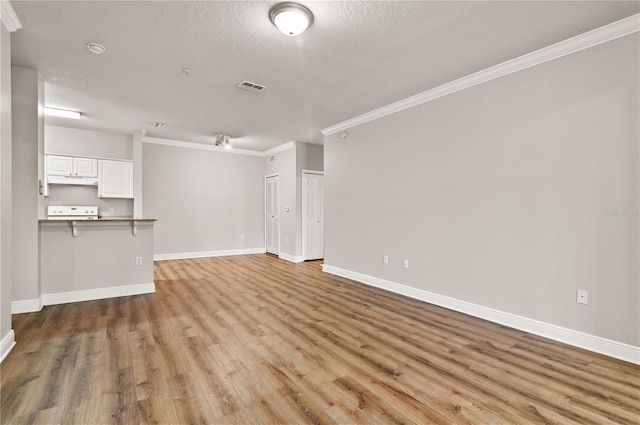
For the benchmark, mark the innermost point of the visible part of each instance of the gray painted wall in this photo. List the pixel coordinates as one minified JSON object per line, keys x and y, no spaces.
{"x":101,"y":256}
{"x":6,"y":238}
{"x":97,"y":144}
{"x":504,"y":194}
{"x":27,"y":129}
{"x":203,"y":200}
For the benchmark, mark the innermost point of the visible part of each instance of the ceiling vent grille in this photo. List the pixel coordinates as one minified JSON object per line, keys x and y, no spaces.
{"x":248,"y":85}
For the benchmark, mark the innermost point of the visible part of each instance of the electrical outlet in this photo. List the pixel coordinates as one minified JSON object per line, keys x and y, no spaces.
{"x":241,"y":236}
{"x":112,"y":211}
{"x":582,"y":296}
{"x":385,"y":259}
{"x":286,"y":240}
{"x":405,"y":264}
{"x":138,"y":261}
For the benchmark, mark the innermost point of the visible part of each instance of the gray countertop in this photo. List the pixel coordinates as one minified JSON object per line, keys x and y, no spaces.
{"x":99,"y":220}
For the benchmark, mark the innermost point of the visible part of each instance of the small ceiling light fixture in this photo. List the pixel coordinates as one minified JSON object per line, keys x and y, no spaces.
{"x":53,"y":112}
{"x":186,"y":71}
{"x":291,"y":18}
{"x":223,"y":140}
{"x":96,"y":48}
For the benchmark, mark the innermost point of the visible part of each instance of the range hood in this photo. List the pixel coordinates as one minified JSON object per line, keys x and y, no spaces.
{"x":83,"y":181}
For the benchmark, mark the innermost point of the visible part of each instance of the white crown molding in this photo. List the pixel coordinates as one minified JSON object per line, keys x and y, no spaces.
{"x":575,"y":44}
{"x":205,"y":254}
{"x":200,"y":146}
{"x":98,"y":294}
{"x":6,"y":344}
{"x":9,"y":17}
{"x":26,"y":306}
{"x":280,"y":148}
{"x":589,"y":342}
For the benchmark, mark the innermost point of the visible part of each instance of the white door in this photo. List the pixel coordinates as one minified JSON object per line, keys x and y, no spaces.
{"x":272,"y":220}
{"x":312,"y":215}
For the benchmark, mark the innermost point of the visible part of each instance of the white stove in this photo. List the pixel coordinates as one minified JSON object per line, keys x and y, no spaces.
{"x":80,"y":212}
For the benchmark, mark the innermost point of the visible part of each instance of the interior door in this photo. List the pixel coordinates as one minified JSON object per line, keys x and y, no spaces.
{"x":272,"y":223}
{"x":312,"y":215}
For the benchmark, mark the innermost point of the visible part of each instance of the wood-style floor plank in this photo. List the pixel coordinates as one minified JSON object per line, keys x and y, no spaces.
{"x":257,"y":340}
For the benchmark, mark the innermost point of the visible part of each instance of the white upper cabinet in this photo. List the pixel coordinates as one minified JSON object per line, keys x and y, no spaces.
{"x":115,"y":179}
{"x":59,"y":165}
{"x":71,"y":166}
{"x":85,"y":167}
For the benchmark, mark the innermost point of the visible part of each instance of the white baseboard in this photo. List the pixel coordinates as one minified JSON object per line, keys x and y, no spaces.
{"x":572,"y":337}
{"x":6,"y":344}
{"x":26,"y":306}
{"x":292,"y":258}
{"x":98,"y":294}
{"x":203,"y":254}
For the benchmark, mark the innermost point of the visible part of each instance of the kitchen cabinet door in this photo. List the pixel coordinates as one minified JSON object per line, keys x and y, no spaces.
{"x":115,"y":179}
{"x":85,"y":167}
{"x":59,"y":165}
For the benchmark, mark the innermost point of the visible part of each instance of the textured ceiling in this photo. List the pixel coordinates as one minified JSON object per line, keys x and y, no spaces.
{"x":356,"y":57}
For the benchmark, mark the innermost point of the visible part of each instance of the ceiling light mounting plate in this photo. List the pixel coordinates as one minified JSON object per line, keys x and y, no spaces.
{"x":291,"y":18}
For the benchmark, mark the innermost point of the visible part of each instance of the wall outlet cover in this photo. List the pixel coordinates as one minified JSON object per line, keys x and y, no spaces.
{"x":582,"y":296}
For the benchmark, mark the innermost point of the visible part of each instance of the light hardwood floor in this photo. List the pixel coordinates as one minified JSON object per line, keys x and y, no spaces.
{"x":257,"y":340}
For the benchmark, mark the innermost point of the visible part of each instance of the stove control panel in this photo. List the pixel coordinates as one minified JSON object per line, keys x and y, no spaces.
{"x":72,"y":211}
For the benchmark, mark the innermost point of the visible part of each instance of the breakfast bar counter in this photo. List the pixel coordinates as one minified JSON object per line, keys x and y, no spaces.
{"x":95,"y":258}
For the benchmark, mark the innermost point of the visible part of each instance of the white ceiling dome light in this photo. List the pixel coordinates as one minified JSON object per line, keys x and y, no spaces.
{"x":291,"y":18}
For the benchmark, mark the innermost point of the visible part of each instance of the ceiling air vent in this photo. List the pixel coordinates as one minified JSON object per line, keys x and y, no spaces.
{"x":248,"y":85}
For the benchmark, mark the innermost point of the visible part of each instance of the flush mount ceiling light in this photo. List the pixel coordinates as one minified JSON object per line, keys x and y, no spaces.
{"x":223,"y":140}
{"x":53,"y":112}
{"x":291,"y":18}
{"x":96,"y":48}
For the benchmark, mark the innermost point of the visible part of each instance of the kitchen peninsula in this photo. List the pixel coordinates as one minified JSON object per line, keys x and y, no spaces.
{"x":94,"y":241}
{"x":93,"y":259}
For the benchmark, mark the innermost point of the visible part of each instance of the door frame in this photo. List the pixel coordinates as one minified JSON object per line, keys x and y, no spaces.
{"x":265,"y":211}
{"x":303,"y":209}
